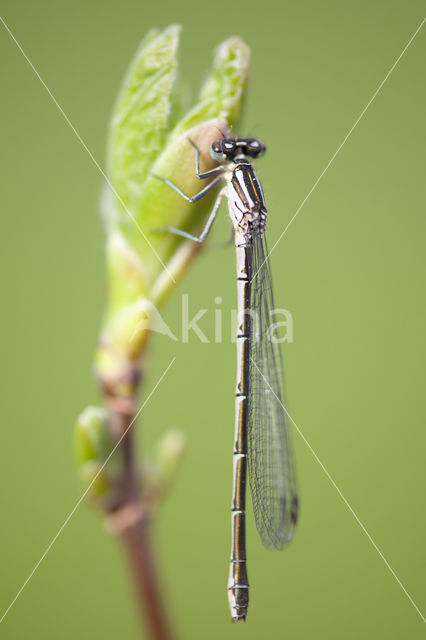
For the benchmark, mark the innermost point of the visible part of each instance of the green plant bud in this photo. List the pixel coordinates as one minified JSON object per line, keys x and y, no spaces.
{"x":169,"y":455}
{"x":159,"y":472}
{"x":93,"y":444}
{"x":147,"y":139}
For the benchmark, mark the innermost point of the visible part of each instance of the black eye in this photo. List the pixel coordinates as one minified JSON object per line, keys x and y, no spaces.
{"x":217,"y":146}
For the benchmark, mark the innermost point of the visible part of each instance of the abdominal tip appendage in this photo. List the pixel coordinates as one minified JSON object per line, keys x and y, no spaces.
{"x":239,"y":617}
{"x":238,"y":602}
{"x":238,"y":612}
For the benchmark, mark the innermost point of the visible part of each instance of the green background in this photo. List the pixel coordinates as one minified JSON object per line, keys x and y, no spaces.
{"x":351,"y":270}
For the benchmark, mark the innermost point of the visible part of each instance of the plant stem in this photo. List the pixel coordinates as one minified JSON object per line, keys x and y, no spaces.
{"x":137,"y":542}
{"x":130,"y":519}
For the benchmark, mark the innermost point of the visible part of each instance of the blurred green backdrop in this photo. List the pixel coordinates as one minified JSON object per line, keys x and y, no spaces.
{"x":351,"y":270}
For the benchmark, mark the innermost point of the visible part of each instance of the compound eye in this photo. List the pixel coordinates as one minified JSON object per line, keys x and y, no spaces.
{"x":255,"y":148}
{"x":217,"y":151}
{"x":217,"y":146}
{"x":228,"y":147}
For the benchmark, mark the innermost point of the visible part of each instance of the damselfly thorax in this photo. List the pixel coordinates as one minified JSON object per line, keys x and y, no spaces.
{"x":246,"y":202}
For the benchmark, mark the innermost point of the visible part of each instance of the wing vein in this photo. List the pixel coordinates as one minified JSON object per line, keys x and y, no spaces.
{"x":272,"y":473}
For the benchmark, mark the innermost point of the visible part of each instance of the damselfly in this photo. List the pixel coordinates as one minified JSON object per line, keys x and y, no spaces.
{"x":262,"y":438}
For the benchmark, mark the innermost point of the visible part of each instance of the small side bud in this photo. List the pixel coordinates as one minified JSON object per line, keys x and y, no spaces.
{"x":93,"y":445}
{"x":160,"y":471}
{"x":170,"y":453}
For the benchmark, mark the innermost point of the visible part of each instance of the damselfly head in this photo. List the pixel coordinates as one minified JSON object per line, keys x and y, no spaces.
{"x":230,"y":148}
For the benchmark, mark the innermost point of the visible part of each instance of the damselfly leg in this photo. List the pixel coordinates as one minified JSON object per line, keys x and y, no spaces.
{"x":198,"y":195}
{"x":206,"y":174}
{"x":203,"y":235}
{"x":216,"y":171}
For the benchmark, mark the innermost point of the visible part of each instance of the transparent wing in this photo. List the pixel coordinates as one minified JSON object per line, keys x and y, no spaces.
{"x":272,"y":472}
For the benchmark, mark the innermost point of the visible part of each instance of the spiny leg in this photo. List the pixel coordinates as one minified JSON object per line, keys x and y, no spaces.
{"x":198,"y":195}
{"x":203,"y":235}
{"x":206,"y":174}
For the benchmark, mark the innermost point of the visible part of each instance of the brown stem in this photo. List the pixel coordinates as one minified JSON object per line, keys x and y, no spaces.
{"x":130,"y":518}
{"x":137,"y":542}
